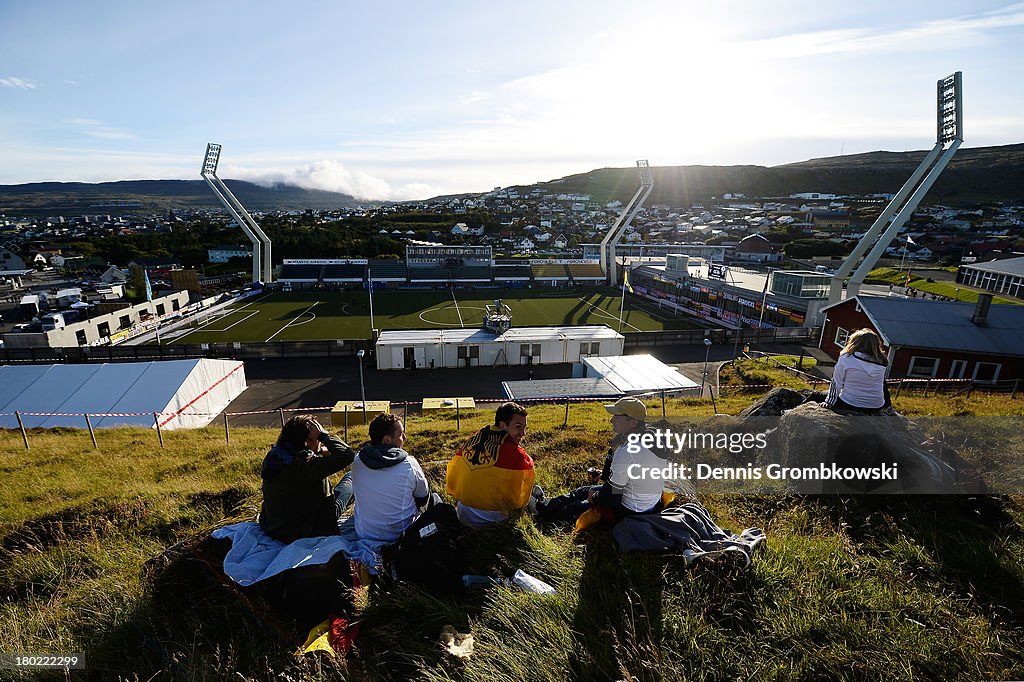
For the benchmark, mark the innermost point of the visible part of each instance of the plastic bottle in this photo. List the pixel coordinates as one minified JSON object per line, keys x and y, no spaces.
{"x":478,"y":582}
{"x":527,"y":582}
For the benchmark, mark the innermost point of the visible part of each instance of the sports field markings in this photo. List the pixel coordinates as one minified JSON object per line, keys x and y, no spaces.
{"x":656,"y":312}
{"x":215,"y":317}
{"x":447,"y":306}
{"x":602,"y":311}
{"x":344,"y":308}
{"x":457,"y":310}
{"x":293,"y":320}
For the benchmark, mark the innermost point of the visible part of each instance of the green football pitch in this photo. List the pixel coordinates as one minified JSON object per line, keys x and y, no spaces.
{"x":324,"y":315}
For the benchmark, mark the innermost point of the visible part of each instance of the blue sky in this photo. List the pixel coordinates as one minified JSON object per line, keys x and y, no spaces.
{"x":401,"y":100}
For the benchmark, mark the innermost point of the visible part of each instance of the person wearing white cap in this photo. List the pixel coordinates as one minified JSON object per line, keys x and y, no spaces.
{"x":625,"y":489}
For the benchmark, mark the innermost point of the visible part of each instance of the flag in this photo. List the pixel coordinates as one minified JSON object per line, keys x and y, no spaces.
{"x":149,"y":287}
{"x":911,"y":241}
{"x":625,"y":281}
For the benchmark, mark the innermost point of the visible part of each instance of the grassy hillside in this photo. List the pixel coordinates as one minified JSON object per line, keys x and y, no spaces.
{"x":850,"y":589}
{"x":921,"y":283}
{"x":137,"y":196}
{"x":980,"y":173}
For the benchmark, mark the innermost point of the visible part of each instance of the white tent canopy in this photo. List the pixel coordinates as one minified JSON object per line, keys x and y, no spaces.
{"x":186,"y":394}
{"x":637,"y":373}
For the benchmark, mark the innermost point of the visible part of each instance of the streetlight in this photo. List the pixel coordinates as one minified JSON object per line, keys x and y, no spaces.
{"x":362,"y":387}
{"x":704,"y":374}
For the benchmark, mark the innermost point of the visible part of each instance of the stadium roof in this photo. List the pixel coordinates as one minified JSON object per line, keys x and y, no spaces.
{"x":1006,"y":266}
{"x":185,"y":393}
{"x":944,"y":325}
{"x":637,"y":373}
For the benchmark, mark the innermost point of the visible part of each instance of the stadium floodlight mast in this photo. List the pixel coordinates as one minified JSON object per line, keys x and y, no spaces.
{"x":949,"y":131}
{"x":260,"y":241}
{"x":614,"y":236}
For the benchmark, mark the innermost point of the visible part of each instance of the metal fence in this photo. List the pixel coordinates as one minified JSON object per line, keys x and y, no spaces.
{"x":406,"y":408}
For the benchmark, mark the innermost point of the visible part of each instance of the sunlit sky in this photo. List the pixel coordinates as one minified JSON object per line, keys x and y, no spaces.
{"x":404,"y":100}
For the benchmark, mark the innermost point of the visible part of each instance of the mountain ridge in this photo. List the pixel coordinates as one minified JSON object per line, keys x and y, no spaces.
{"x":974,"y":174}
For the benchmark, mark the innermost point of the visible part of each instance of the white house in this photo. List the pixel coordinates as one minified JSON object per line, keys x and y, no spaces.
{"x":222,"y":254}
{"x":463,"y":230}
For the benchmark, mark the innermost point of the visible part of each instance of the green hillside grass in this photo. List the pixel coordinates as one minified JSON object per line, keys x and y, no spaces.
{"x":845,"y":589}
{"x":324,"y":315}
{"x":921,"y":283}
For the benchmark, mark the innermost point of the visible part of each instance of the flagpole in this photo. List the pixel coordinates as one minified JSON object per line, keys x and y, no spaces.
{"x":764,"y":299}
{"x":369,"y":278}
{"x":904,"y":256}
{"x":622,"y":303}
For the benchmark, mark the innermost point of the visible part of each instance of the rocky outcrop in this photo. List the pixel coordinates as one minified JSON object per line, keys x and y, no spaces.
{"x":811,"y":436}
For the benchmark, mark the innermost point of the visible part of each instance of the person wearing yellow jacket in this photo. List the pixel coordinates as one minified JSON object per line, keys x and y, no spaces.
{"x":491,"y":474}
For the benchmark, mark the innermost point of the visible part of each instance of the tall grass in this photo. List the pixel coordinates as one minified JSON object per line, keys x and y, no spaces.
{"x":102,"y":552}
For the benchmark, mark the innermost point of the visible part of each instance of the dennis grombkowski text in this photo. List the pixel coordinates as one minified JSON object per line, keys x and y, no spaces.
{"x":775,"y":472}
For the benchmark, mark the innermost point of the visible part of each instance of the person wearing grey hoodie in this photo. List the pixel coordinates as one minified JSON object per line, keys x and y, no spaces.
{"x":388,"y":483}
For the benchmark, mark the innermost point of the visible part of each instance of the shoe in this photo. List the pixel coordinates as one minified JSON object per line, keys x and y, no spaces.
{"x":536,"y":495}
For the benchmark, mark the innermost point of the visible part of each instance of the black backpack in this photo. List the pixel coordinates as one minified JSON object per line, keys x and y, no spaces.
{"x":430,"y":552}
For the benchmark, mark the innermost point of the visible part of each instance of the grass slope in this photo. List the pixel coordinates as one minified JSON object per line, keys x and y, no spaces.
{"x":921,"y":283}
{"x":845,"y":589}
{"x":324,"y":315}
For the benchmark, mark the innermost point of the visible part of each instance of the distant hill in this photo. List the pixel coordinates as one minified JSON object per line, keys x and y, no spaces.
{"x":149,"y":196}
{"x":978,"y":174}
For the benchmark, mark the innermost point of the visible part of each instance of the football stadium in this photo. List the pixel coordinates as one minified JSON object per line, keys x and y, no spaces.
{"x":322,"y":314}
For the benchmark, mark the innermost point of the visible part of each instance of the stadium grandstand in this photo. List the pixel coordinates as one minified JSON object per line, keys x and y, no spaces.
{"x":389,"y":271}
{"x":586,"y":272}
{"x":439,"y":265}
{"x":507,"y":272}
{"x":550,"y":273}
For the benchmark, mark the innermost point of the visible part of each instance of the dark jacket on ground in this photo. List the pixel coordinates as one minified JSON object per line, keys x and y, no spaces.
{"x":297,"y":498}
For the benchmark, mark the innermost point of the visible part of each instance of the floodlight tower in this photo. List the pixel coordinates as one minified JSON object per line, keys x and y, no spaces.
{"x":608,"y":244}
{"x":949,"y":131}
{"x":260,"y":241}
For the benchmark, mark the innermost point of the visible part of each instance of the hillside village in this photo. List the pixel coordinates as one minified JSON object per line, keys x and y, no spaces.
{"x":524,"y":221}
{"x":99,"y":263}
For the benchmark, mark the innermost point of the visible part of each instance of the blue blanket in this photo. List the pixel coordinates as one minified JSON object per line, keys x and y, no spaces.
{"x":255,"y":556}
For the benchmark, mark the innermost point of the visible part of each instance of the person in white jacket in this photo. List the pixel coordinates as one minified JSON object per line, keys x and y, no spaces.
{"x":858,"y":382}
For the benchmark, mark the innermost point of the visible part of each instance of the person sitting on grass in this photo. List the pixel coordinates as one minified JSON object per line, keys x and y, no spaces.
{"x":491,"y":474}
{"x":389,"y":485}
{"x":297,"y":498}
{"x":626,"y":490}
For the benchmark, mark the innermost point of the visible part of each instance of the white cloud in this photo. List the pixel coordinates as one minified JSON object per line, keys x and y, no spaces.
{"x":332,"y":176}
{"x":93,"y":128}
{"x":19,"y":83}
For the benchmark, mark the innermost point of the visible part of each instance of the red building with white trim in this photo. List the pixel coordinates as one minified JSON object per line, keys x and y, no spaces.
{"x":934,"y":339}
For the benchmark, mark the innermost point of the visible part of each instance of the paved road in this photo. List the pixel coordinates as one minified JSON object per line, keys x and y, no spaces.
{"x":321,"y":382}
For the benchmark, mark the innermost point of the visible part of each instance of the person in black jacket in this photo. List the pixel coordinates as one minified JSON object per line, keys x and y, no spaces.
{"x":297,"y":498}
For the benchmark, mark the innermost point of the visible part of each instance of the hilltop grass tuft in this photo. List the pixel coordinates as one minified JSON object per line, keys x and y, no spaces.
{"x":107,"y":552}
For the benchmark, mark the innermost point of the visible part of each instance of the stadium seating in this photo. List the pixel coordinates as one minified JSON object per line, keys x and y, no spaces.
{"x":541,"y":272}
{"x":388,"y":270}
{"x":300,"y":273}
{"x":476,"y":274}
{"x":344,"y":273}
{"x":586,"y":271}
{"x":511,"y":271}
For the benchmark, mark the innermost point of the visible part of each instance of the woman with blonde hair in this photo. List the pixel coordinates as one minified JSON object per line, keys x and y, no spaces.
{"x":858,"y":382}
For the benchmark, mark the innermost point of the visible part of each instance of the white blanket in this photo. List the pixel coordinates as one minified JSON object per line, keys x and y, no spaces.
{"x":255,"y":556}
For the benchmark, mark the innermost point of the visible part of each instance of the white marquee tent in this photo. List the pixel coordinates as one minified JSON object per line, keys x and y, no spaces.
{"x":186,"y":394}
